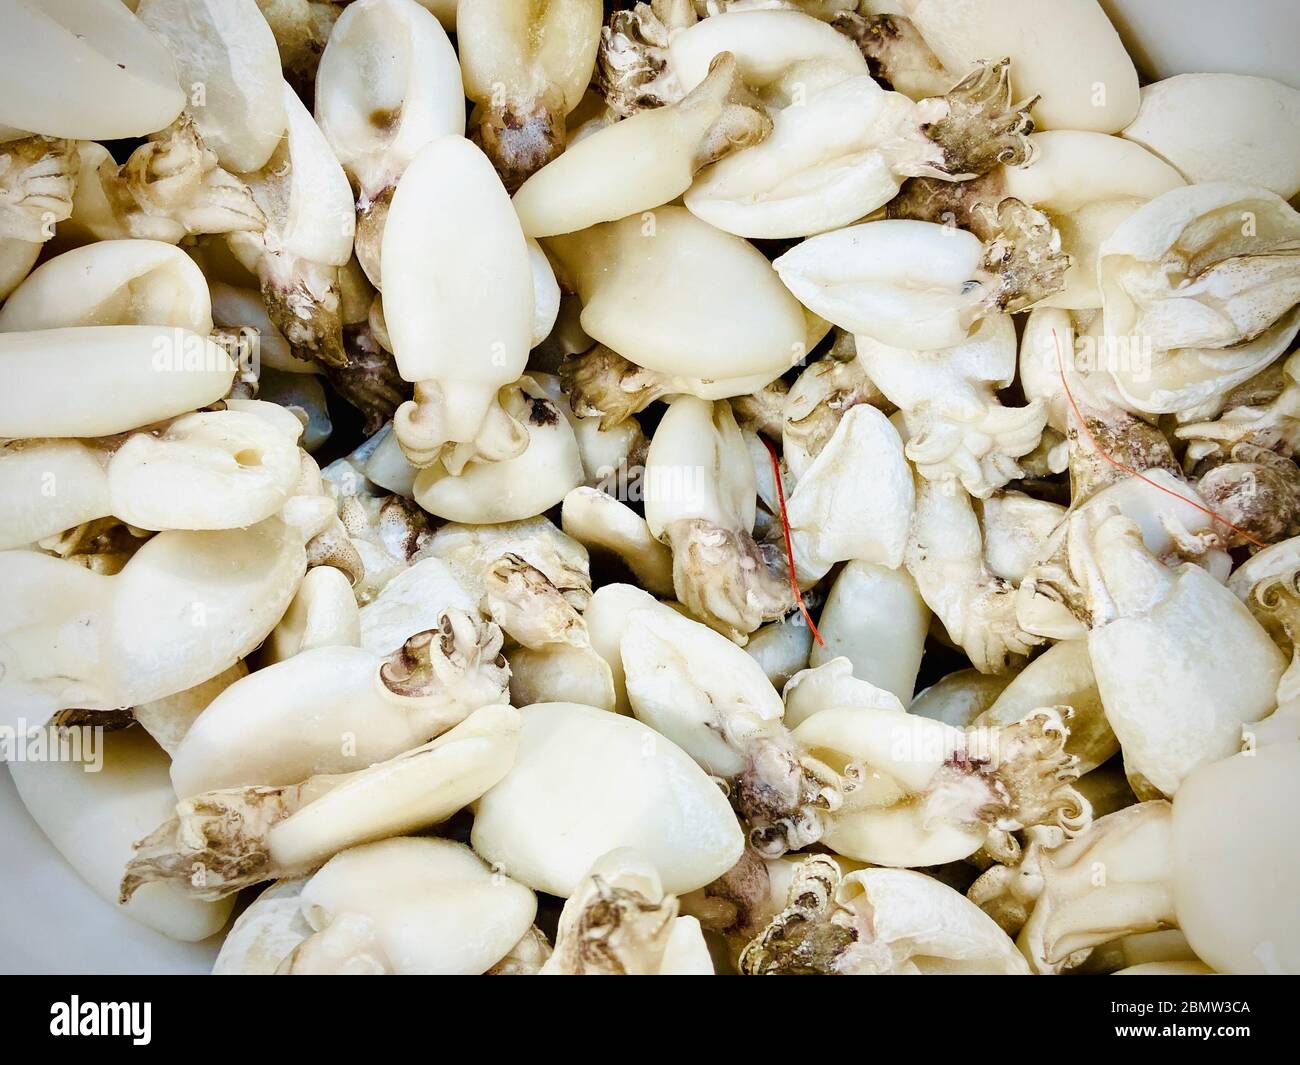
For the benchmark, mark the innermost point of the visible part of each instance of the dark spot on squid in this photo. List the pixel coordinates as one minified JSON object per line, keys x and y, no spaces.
{"x":385,"y":118}
{"x":542,"y":412}
{"x":108,"y":720}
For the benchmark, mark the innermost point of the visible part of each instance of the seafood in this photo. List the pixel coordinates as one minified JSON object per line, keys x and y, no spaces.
{"x":681,"y":487}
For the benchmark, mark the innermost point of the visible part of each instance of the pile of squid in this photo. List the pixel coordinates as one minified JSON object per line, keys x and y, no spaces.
{"x":689,"y":487}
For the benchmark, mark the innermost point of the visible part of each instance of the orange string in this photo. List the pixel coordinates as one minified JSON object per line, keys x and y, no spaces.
{"x":1083,"y":427}
{"x":789,"y":544}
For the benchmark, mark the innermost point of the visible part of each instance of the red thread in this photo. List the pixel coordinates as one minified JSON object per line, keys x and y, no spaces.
{"x":789,"y":544}
{"x":1083,"y":427}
